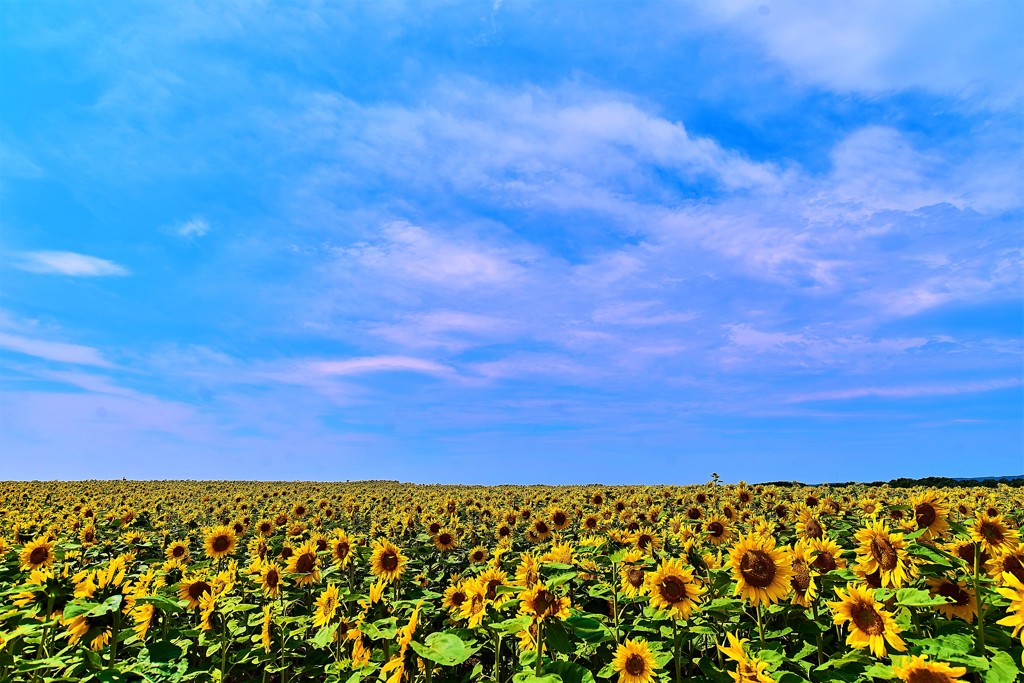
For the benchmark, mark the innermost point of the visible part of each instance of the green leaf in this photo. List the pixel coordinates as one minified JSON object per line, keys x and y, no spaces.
{"x":444,"y":648}
{"x":324,"y":636}
{"x":557,"y":637}
{"x":161,"y":603}
{"x":915,"y":597}
{"x":163,"y":651}
{"x":1003,"y":670}
{"x":526,"y":677}
{"x":570,"y":672}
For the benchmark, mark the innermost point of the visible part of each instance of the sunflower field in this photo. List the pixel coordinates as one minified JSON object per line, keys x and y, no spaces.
{"x":383,"y":581}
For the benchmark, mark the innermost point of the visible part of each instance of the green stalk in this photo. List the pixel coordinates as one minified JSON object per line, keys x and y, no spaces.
{"x":540,"y":646}
{"x":817,"y":633}
{"x":615,"y":600}
{"x":760,"y":626}
{"x":675,"y":647}
{"x":980,"y":599}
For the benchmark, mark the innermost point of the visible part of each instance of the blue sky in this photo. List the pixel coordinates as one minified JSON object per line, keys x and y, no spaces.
{"x":511,"y":241}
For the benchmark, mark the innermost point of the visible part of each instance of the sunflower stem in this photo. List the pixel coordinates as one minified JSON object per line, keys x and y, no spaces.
{"x":540,"y":647}
{"x":760,"y":625}
{"x":675,"y":647}
{"x":980,"y":599}
{"x":615,"y":599}
{"x":817,"y":633}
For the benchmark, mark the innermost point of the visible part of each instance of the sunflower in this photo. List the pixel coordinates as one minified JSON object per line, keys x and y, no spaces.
{"x":930,"y":514}
{"x":474,"y":607}
{"x":97,"y":631}
{"x":87,"y":536}
{"x":271,"y":580}
{"x":992,"y":533}
{"x":828,"y":556}
{"x":478,"y":555}
{"x":305,"y":564}
{"x":647,"y":540}
{"x":886,"y":553}
{"x":804,"y":587}
{"x":808,"y":526}
{"x":454,"y":596}
{"x":444,"y":540}
{"x":490,"y":580}
{"x":590,"y":523}
{"x":36,"y":554}
{"x":1013,"y":590}
{"x":540,"y":531}
{"x":540,"y":603}
{"x":528,"y":571}
{"x":326,"y":606}
{"x":192,"y":589}
{"x":207,"y":607}
{"x":748,"y":669}
{"x":762,"y":572}
{"x":634,"y":577}
{"x":634,"y":662}
{"x":559,"y":518}
{"x":341,"y":548}
{"x":265,"y":527}
{"x":870,"y":625}
{"x":674,"y":589}
{"x":963,"y":604}
{"x":717,"y":530}
{"x":220,"y":542}
{"x":918,"y":670}
{"x":387,"y":561}
{"x":177,"y":551}
{"x":1009,"y":561}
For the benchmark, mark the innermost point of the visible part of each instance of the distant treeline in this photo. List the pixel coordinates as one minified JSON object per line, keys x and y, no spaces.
{"x":934,"y":482}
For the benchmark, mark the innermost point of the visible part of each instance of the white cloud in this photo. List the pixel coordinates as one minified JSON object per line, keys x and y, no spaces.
{"x":916,"y":391}
{"x":53,"y":351}
{"x":411,"y":251}
{"x":193,"y":227}
{"x":67,"y":263}
{"x":359,"y":366}
{"x":965,"y":49}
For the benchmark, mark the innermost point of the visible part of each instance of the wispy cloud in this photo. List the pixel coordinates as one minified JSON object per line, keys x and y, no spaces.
{"x":192,"y":228}
{"x":67,"y":263}
{"x":53,"y":351}
{"x":916,"y":391}
{"x":359,"y":366}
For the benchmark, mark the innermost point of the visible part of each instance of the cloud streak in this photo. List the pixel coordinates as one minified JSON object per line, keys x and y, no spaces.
{"x":67,"y":263}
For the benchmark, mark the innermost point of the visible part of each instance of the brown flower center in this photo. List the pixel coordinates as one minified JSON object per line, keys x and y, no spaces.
{"x":39,"y":555}
{"x":757,"y":568}
{"x":635,"y":577}
{"x":928,"y":676}
{"x":925,"y":514}
{"x":950,"y":590}
{"x":544,"y":602}
{"x":716,"y":529}
{"x":178,"y":551}
{"x":824,"y":562}
{"x":445,"y":539}
{"x":559,"y":518}
{"x":673,"y":589}
{"x":541,"y":527}
{"x":801,"y":580}
{"x":884,"y":553}
{"x":196,"y":590}
{"x":389,"y":561}
{"x":635,"y":665}
{"x":1012,"y":564}
{"x":220,"y":543}
{"x":812,"y":529}
{"x":272,"y":579}
{"x":866,"y":619}
{"x":305,"y":563}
